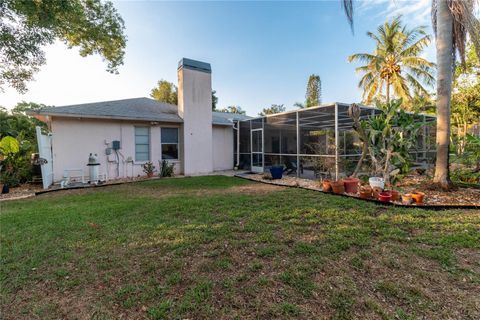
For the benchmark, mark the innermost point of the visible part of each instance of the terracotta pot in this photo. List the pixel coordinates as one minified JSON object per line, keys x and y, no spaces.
{"x":376,"y":192}
{"x":338,"y":187}
{"x":351,"y":185}
{"x":385,"y":196}
{"x":418,"y":196}
{"x":150,"y":174}
{"x":395,"y":195}
{"x":326,"y":186}
{"x":407,"y":198}
{"x":365,"y":192}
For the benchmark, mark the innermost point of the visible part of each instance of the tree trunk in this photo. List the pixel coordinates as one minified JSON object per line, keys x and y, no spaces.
{"x":444,"y":90}
{"x":388,"y":89}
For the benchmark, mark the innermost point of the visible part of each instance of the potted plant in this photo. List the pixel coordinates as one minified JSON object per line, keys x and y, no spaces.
{"x":418,"y":197}
{"x":394,"y":179}
{"x":406,"y":198}
{"x":351,"y":185}
{"x":376,"y":192}
{"x":365,"y":192}
{"x":148,"y":168}
{"x":385,"y":196}
{"x":338,"y":186}
{"x":276,"y":171}
{"x":326,"y":185}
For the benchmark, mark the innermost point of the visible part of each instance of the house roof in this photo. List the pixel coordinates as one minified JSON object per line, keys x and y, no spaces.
{"x":142,"y":109}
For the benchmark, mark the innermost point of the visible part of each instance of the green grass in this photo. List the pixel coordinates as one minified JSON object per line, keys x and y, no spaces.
{"x":222,"y":247}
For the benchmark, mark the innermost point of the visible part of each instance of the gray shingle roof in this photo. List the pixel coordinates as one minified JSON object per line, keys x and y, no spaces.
{"x":227,"y":118}
{"x":128,"y":109}
{"x":145,"y":109}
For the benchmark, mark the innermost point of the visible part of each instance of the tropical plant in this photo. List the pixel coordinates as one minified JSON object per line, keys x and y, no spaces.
{"x":148,"y":168}
{"x":166,"y":168}
{"x":391,"y":136}
{"x":452,"y":21}
{"x":233,"y":109}
{"x":274,"y":108}
{"x":95,"y":27}
{"x":15,"y":165}
{"x":395,"y":64}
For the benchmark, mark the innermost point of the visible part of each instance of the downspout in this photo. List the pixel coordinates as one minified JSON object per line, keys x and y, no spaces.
{"x":238,"y":143}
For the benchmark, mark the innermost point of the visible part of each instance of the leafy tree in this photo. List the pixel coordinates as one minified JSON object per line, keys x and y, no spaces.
{"x":23,"y":107}
{"x":452,"y":21}
{"x":233,"y":109}
{"x":274,"y":108}
{"x":313,"y":97}
{"x":395,"y":63}
{"x":465,"y":99}
{"x":214,"y":101}
{"x":165,"y":92}
{"x":26,"y":27}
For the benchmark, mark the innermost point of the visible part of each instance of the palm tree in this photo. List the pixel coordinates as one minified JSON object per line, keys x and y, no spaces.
{"x":395,"y":63}
{"x":452,"y":20}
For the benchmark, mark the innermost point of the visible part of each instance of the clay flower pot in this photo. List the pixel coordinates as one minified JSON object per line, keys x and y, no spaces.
{"x":376,"y":192}
{"x":149,"y":174}
{"x":385,"y":196}
{"x":407,"y":198}
{"x":395,"y":195}
{"x":418,"y":197}
{"x":338,"y":187}
{"x":351,"y":185}
{"x":326,"y":186}
{"x":365,"y":192}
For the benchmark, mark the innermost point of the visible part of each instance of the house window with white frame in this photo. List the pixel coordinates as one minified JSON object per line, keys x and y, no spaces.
{"x":169,"y":140}
{"x":142,"y":143}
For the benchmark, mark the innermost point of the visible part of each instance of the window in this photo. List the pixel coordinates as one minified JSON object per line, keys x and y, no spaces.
{"x":142,"y":143}
{"x":169,"y":143}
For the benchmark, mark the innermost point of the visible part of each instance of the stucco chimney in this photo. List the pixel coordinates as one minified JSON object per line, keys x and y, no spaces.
{"x":195,"y":108}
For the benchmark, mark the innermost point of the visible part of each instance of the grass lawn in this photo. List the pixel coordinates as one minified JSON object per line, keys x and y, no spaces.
{"x":220,"y":247}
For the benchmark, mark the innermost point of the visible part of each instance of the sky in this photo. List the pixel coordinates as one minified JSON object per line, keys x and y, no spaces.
{"x":261,"y":53}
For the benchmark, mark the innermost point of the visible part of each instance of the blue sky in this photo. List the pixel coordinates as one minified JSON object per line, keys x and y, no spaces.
{"x":261,"y":52}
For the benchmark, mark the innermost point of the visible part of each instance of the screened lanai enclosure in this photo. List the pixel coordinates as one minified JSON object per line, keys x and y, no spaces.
{"x":315,"y":142}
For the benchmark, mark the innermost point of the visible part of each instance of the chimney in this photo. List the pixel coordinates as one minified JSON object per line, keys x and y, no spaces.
{"x":195,"y":108}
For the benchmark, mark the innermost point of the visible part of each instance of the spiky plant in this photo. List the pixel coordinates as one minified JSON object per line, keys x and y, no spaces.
{"x":452,"y":20}
{"x":396,"y":63}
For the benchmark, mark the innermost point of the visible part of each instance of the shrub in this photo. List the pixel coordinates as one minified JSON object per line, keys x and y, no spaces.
{"x":166,"y":168}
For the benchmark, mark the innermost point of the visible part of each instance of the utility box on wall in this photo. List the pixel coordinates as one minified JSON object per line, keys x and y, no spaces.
{"x":116,"y":145}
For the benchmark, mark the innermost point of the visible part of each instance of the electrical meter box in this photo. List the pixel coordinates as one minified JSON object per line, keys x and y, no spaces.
{"x":116,"y":145}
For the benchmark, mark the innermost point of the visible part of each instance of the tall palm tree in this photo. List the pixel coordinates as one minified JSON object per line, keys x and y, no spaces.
{"x":452,"y":20}
{"x":395,"y":63}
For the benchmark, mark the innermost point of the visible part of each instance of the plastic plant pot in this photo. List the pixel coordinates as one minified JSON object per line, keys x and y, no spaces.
{"x":376,"y":192}
{"x":395,"y":195}
{"x":326,"y":185}
{"x":407,"y":198}
{"x":385,"y":196}
{"x":338,"y":187}
{"x":365,"y":192}
{"x":351,"y":185}
{"x":418,"y":197}
{"x":276,"y":172}
{"x":376,"y":182}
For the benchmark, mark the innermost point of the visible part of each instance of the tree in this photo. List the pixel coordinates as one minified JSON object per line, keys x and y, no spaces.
{"x":451,"y":20}
{"x":26,"y":27}
{"x":395,"y":63}
{"x":165,"y":92}
{"x":214,"y":100}
{"x":274,"y":108}
{"x":313,"y":97}
{"x":233,"y":109}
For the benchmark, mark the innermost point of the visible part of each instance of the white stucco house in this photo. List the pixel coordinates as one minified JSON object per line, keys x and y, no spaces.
{"x":127,"y":133}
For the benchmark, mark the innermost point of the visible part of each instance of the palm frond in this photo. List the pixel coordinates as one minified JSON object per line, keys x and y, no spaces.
{"x":348,"y":8}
